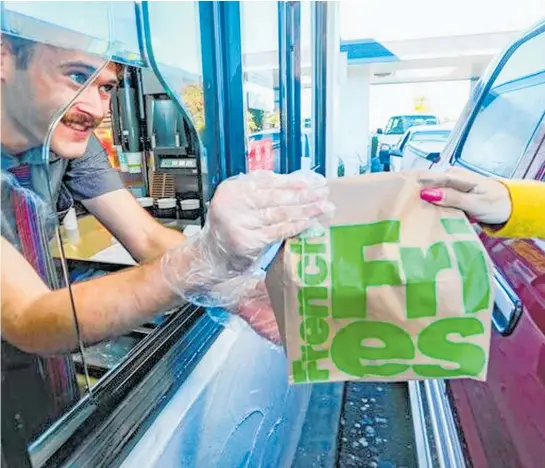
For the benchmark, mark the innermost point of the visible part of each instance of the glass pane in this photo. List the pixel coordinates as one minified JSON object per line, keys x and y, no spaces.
{"x":307,"y":153}
{"x":173,"y":46}
{"x":430,"y":136}
{"x":259,"y":31}
{"x":510,"y":112}
{"x":56,"y":81}
{"x":181,"y":66}
{"x":126,"y":48}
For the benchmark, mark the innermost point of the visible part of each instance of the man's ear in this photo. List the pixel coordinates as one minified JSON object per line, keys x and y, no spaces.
{"x":8,"y":61}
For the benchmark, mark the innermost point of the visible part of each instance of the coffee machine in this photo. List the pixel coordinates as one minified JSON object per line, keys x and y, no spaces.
{"x":174,"y":155}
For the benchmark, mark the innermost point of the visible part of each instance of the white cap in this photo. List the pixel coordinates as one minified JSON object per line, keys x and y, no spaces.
{"x":165,"y":203}
{"x":189,"y":204}
{"x":70,"y":221}
{"x":145,"y":202}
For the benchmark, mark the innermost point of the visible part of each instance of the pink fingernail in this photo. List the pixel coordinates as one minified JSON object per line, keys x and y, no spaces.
{"x":432,"y":195}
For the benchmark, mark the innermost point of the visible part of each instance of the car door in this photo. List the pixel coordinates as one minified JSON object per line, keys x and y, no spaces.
{"x":503,"y":419}
{"x":398,"y":163}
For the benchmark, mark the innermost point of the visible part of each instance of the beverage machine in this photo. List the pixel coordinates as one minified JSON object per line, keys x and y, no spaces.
{"x":159,"y":156}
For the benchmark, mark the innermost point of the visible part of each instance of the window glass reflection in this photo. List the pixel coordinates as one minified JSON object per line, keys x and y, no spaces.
{"x":74,"y":25}
{"x":259,"y":31}
{"x":307,"y":153}
{"x":56,"y":86}
{"x":126,"y":48}
{"x":510,"y":112}
{"x":176,"y":45}
{"x":39,"y":185}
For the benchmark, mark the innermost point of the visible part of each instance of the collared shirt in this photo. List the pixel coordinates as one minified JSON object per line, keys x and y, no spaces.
{"x":50,"y":190}
{"x":58,"y":183}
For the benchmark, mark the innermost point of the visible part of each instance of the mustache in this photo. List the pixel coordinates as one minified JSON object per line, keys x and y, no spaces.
{"x":79,"y":118}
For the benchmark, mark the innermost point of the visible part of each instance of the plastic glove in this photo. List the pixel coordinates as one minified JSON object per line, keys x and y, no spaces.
{"x":483,"y":199}
{"x":247,"y":213}
{"x":252,"y":211}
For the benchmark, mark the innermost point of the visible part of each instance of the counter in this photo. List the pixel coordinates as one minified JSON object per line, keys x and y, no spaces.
{"x":96,"y":243}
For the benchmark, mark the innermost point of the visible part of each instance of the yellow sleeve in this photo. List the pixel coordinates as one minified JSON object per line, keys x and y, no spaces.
{"x":528,"y":216}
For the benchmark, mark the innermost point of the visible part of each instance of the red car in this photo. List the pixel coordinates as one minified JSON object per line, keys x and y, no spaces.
{"x":501,"y":422}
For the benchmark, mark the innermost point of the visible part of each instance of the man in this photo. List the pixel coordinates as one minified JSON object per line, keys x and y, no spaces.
{"x":245,"y":215}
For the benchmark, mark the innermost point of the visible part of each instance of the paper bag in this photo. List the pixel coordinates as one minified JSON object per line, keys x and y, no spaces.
{"x":393,"y":289}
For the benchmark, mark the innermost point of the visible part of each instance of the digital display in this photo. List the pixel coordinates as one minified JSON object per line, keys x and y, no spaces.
{"x":170,"y":163}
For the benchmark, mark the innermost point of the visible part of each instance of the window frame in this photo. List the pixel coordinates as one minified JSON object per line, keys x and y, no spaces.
{"x":405,"y":139}
{"x":536,"y":168}
{"x":447,"y":133}
{"x":524,"y":161}
{"x":104,"y":425}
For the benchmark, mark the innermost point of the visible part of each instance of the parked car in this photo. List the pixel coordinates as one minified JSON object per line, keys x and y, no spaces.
{"x":398,"y":124}
{"x":308,"y":156}
{"x":502,"y":134}
{"x":418,"y":148}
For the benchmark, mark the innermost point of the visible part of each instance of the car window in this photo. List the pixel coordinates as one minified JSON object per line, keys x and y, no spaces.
{"x":394,"y":126}
{"x":405,"y":140}
{"x":305,"y":141}
{"x":413,"y":121}
{"x":510,"y":112}
{"x":439,"y":135}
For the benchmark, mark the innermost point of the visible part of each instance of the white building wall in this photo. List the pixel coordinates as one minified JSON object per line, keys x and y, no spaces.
{"x":352,"y":138}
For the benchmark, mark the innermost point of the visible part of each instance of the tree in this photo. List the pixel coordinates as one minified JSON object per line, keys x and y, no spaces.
{"x":193,"y":98}
{"x":250,"y":121}
{"x":258,"y":116}
{"x":273,"y":120}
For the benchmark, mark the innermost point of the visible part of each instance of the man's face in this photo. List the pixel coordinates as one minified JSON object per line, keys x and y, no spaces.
{"x":32,"y":97}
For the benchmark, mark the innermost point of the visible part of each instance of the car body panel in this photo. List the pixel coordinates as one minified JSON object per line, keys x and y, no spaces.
{"x":398,"y":124}
{"x":416,"y":144}
{"x":503,"y":419}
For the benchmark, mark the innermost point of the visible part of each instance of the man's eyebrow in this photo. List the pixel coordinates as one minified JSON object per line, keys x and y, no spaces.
{"x":80,"y":65}
{"x":113,"y":81}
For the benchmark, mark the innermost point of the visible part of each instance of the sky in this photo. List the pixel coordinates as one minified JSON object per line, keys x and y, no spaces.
{"x":177,"y":22}
{"x":176,"y":33}
{"x":402,"y":19}
{"x":445,"y":99}
{"x":386,"y":20}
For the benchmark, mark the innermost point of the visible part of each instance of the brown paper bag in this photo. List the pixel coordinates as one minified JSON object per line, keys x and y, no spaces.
{"x":394,"y":289}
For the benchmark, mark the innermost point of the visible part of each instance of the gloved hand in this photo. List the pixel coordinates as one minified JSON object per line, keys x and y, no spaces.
{"x":248,"y":213}
{"x":484,"y":199}
{"x":252,"y":211}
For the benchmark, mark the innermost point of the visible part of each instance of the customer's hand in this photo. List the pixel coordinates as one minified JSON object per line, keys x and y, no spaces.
{"x":484,"y":199}
{"x":253,"y":307}
{"x":256,"y":310}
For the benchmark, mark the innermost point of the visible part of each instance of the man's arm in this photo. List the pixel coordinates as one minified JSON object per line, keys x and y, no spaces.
{"x":38,"y":320}
{"x":41,"y":321}
{"x":92,"y":181}
{"x":133,"y":226}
